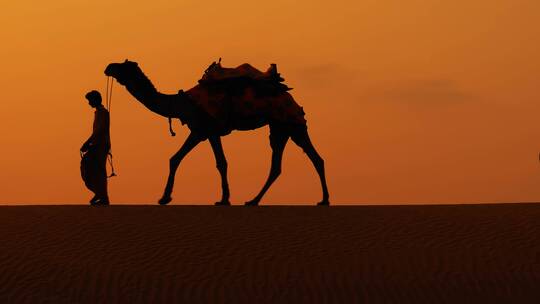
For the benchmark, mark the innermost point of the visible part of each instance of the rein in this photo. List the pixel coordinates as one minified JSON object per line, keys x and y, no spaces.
{"x":108,"y":100}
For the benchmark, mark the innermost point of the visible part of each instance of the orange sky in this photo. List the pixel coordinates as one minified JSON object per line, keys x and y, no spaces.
{"x":421,"y":101}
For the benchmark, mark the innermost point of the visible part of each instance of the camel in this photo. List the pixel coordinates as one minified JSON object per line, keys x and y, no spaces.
{"x":212,"y":110}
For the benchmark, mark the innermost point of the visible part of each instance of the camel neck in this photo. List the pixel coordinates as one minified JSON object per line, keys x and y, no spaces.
{"x":144,"y":91}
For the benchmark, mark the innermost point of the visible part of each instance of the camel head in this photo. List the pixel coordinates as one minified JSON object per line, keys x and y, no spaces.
{"x":122,"y":71}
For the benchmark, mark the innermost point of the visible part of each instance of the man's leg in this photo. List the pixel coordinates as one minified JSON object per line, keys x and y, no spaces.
{"x":88,"y":173}
{"x":101,"y":180}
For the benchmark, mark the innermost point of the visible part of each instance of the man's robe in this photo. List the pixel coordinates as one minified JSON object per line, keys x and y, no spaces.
{"x":93,"y":162}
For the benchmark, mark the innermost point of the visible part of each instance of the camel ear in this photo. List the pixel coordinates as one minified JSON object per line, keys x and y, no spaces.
{"x":126,"y":61}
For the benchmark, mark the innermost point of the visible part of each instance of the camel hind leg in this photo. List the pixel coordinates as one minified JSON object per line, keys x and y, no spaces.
{"x":278,"y":139}
{"x":300,"y":137}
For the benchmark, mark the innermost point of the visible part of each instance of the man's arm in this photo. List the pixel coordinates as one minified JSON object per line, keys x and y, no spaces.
{"x":86,"y":145}
{"x":98,"y":131}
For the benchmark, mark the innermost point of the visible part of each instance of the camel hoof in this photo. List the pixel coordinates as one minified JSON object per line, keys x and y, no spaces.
{"x":252,"y":203}
{"x":323,"y":203}
{"x":165,"y":200}
{"x":222,"y":203}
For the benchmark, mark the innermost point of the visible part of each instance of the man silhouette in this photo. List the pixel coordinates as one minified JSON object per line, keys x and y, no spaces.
{"x":95,"y":151}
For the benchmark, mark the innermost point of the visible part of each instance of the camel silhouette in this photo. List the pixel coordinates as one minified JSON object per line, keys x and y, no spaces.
{"x":225,"y":100}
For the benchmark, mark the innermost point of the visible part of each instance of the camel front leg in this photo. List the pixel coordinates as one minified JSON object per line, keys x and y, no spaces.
{"x":190,"y":143}
{"x":221,"y":164}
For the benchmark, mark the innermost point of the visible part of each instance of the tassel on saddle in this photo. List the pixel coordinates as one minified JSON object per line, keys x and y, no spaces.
{"x":170,"y":127}
{"x":180,"y":93}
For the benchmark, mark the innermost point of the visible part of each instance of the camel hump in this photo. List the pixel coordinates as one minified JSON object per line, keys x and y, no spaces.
{"x":217,"y":73}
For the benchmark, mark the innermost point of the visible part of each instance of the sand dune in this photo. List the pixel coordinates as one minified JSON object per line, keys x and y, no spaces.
{"x":192,"y":254}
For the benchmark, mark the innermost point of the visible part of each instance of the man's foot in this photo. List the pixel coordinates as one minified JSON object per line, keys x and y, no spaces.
{"x":252,"y":203}
{"x":94,"y":199}
{"x":222,"y":203}
{"x":100,"y":202}
{"x":165,"y":200}
{"x":324,"y":203}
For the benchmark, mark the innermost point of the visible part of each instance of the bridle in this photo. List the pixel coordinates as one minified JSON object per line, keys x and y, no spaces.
{"x":108,"y":101}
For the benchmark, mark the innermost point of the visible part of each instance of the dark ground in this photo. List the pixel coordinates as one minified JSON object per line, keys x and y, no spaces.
{"x":207,"y":254}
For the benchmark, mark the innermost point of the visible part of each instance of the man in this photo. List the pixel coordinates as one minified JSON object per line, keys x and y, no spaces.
{"x":96,"y":150}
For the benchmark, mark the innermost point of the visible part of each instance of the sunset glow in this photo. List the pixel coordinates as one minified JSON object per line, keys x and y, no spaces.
{"x":417,"y":101}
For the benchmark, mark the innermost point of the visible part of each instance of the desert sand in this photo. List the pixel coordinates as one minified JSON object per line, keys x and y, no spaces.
{"x":278,"y":254}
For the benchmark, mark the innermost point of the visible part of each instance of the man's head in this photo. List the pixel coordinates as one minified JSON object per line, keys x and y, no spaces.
{"x":94,"y":98}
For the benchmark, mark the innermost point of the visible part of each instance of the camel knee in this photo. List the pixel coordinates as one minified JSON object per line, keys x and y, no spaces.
{"x":174,"y":162}
{"x":318,"y":161}
{"x":221,"y":165}
{"x":275,"y":172}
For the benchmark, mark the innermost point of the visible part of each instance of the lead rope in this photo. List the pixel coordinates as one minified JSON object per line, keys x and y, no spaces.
{"x":108,"y":99}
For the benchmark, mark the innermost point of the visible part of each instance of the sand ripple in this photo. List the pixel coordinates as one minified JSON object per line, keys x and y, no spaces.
{"x":187,"y":254}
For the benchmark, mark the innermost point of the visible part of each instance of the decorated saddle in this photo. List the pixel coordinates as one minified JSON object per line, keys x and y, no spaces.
{"x":234,"y":96}
{"x":269,"y":82}
{"x":216,"y":73}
